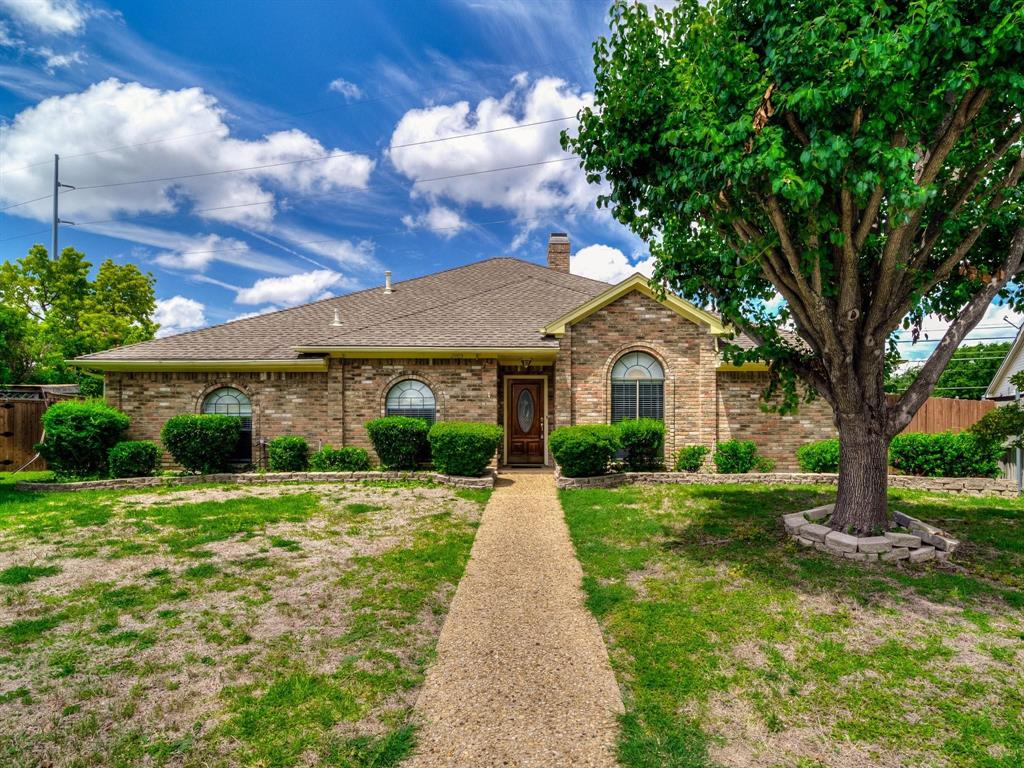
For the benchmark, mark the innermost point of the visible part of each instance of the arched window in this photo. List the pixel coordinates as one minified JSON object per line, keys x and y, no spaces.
{"x":411,"y":398}
{"x":232,"y":402}
{"x":638,"y":388}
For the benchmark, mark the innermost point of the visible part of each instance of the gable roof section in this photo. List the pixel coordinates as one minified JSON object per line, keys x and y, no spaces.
{"x":1013,"y":362}
{"x":636,"y":282}
{"x":483,"y":307}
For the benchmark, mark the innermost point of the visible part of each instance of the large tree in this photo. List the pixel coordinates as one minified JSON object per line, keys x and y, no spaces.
{"x":860,"y":159}
{"x":52,"y":310}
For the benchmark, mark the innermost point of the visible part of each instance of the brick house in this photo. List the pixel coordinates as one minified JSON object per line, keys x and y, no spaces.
{"x":502,"y":341}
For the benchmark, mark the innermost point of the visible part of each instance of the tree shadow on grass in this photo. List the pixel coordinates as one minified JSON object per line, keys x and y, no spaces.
{"x":740,"y":527}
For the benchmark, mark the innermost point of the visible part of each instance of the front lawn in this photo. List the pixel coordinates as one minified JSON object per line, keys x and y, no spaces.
{"x":216,"y":626}
{"x":734,"y":647}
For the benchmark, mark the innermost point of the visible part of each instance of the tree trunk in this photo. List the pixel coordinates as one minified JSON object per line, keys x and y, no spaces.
{"x":861,"y":501}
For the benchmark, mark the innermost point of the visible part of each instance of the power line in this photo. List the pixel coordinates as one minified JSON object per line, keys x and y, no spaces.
{"x":495,"y":170}
{"x":271,"y":202}
{"x":482,"y":133}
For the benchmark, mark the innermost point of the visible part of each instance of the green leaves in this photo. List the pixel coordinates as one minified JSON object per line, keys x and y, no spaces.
{"x":55,"y":312}
{"x":759,"y":146}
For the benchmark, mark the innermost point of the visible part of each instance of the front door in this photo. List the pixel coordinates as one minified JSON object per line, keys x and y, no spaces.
{"x":526,"y":421}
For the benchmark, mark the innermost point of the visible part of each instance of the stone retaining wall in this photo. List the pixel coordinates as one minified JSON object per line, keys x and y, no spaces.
{"x":911,"y":540}
{"x":255,"y":478}
{"x":969,"y":486}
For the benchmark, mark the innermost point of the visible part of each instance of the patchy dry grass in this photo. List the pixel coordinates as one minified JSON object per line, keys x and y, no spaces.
{"x":736,"y":648}
{"x":222,"y":626}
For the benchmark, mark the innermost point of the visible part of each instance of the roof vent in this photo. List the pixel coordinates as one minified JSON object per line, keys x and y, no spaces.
{"x":387,"y":281}
{"x":336,"y":322}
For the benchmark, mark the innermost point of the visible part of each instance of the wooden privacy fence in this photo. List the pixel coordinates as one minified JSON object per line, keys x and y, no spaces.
{"x":947,"y":414}
{"x":21,"y":424}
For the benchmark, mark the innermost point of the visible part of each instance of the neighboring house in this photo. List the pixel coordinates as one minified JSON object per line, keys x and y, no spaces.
{"x":1000,"y":388}
{"x":502,"y":341}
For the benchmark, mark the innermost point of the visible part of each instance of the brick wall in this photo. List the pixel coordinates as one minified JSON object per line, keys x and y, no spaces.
{"x":325,"y":408}
{"x":282,"y":403}
{"x":636,"y":322}
{"x":465,"y":390}
{"x":740,"y":416}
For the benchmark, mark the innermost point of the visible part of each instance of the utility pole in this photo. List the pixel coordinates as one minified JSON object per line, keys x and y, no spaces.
{"x":54,"y":254}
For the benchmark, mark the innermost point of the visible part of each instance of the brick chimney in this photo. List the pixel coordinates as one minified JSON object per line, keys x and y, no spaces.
{"x":558,"y":251}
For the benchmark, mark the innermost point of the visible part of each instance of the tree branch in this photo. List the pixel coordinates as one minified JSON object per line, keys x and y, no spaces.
{"x":911,"y":400}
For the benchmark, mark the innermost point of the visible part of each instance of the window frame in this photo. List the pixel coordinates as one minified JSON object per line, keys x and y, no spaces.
{"x":243,"y":451}
{"x":629,"y":387}
{"x":411,"y":382}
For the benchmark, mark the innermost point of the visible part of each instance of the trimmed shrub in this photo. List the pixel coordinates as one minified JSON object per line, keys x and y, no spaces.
{"x":133,"y":458}
{"x":463,"y":448}
{"x":399,"y":441}
{"x":691,"y":457}
{"x":735,"y":457}
{"x":201,"y":442}
{"x":945,"y":454}
{"x":584,"y":451}
{"x":348,"y":459}
{"x":643,"y":440}
{"x":288,"y":453}
{"x":764,"y":464}
{"x":819,"y":456}
{"x":78,"y":436}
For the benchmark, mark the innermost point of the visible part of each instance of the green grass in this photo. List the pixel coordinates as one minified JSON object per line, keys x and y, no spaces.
{"x":23,"y":574}
{"x":311,"y":648}
{"x":725,"y":635}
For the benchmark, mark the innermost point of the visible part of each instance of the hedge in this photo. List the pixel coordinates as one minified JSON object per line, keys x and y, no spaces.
{"x":945,"y":454}
{"x":348,"y":459}
{"x":584,"y":451}
{"x":735,"y":457}
{"x":643,"y":441}
{"x":691,"y":457}
{"x":400,"y":441}
{"x":201,"y":443}
{"x":133,"y":458}
{"x":463,"y":448}
{"x":820,"y":456}
{"x":78,"y":436}
{"x":288,"y":453}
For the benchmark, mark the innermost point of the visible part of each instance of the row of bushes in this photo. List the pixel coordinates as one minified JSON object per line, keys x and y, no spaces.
{"x":638,"y":446}
{"x":455,"y":447}
{"x":83,"y":439}
{"x":938,"y":454}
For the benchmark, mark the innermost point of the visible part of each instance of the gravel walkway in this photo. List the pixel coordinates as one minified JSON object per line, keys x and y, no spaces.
{"x":522,"y":675}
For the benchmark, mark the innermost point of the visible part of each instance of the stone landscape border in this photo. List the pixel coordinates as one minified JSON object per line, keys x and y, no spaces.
{"x":968,"y":486}
{"x":917,"y":543}
{"x":259,"y":478}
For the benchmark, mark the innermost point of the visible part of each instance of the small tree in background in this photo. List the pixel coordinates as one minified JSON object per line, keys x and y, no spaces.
{"x":859,"y":160}
{"x":54,"y":311}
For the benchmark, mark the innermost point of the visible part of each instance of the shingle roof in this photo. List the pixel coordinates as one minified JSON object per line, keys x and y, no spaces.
{"x":501,"y":302}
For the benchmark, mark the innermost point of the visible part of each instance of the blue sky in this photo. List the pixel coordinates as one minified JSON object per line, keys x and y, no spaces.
{"x":151,"y":90}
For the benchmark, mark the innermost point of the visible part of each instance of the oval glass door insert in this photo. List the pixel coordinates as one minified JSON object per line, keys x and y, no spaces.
{"x":524,"y":411}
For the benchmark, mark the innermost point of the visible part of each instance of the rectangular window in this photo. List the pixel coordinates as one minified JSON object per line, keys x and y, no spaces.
{"x":623,"y":400}
{"x":651,"y":400}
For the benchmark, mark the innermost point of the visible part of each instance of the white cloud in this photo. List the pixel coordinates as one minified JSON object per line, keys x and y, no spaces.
{"x":557,"y":187}
{"x":354,"y":254}
{"x":293,"y":289}
{"x":54,"y":61}
{"x":7,"y":40}
{"x":257,"y":313}
{"x":345,"y":88}
{"x":439,"y":220}
{"x":51,"y":17}
{"x":178,"y":314}
{"x":602,"y":262}
{"x":129,"y":115}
